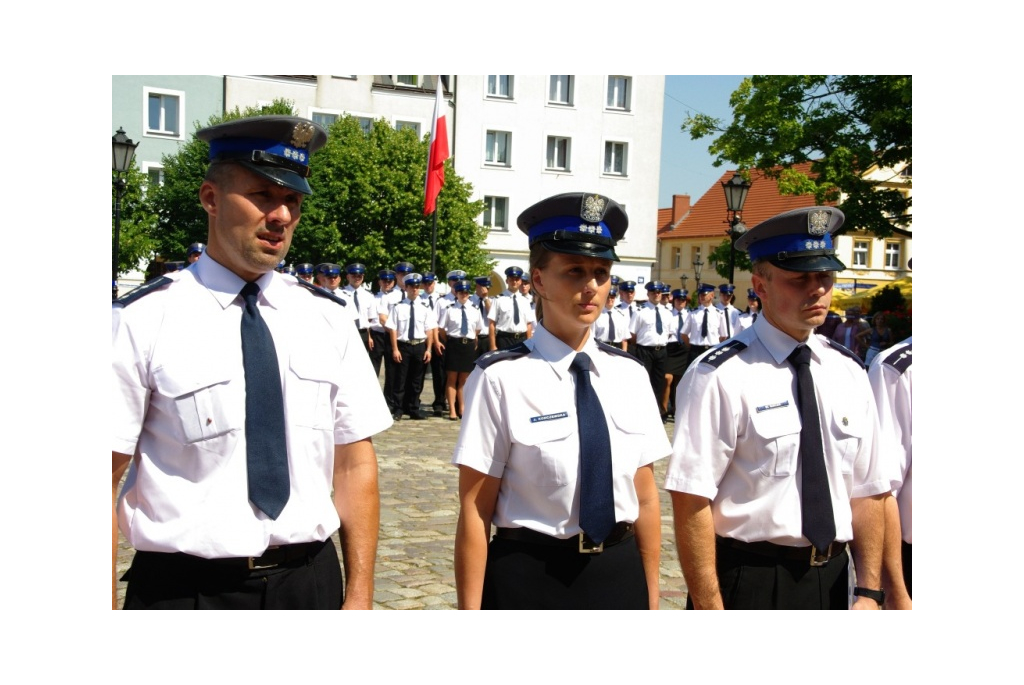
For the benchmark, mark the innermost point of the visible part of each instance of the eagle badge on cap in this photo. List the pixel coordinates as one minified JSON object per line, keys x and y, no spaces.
{"x":593,"y":208}
{"x":302,"y":134}
{"x":817,"y":222}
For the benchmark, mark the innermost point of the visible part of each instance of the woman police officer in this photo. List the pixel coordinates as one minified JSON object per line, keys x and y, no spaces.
{"x":568,"y":484}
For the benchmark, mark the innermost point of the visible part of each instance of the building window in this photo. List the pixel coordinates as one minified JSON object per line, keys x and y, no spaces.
{"x":324,"y":119}
{"x":496,"y":213}
{"x":154,"y":172}
{"x":619,"y":88}
{"x":402,"y":125}
{"x":164,"y":112}
{"x":560,"y":90}
{"x":559,"y":149}
{"x":499,"y":87}
{"x":677,"y":257}
{"x":694,"y":255}
{"x":615,"y":158}
{"x":498,"y":148}
{"x":365,"y":123}
{"x":860,"y":253}
{"x":892,"y":255}
{"x":407,"y":80}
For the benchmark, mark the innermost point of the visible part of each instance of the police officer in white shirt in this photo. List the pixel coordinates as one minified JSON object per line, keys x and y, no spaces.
{"x":364,"y":306}
{"x":707,"y":324}
{"x":483,"y":302}
{"x":510,"y":319}
{"x":612,"y":326}
{"x":748,"y":317}
{"x":678,"y":350}
{"x":411,"y":324}
{"x":304,"y":271}
{"x":245,"y":404}
{"x":437,"y":304}
{"x":725,"y":306}
{"x":651,"y":330}
{"x":776,"y":462}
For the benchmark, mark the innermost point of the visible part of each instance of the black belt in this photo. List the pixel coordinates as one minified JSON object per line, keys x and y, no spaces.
{"x":651,"y":347}
{"x":514,"y":336}
{"x":807,"y":554}
{"x":580,"y":542}
{"x":463,"y":341}
{"x":412,"y":343}
{"x":280,"y":555}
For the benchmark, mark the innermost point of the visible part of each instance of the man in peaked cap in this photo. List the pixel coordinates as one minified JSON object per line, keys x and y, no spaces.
{"x":706,"y":327}
{"x":364,"y":307}
{"x":511,"y":318}
{"x":328,"y":276}
{"x":304,"y":271}
{"x":237,"y":479}
{"x":726,"y":306}
{"x":776,"y":463}
{"x":194,"y":252}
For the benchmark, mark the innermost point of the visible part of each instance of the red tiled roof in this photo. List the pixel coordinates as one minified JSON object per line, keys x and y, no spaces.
{"x":707,"y":218}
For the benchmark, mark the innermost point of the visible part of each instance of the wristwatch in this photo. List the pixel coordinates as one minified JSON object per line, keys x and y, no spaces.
{"x":877,"y":595}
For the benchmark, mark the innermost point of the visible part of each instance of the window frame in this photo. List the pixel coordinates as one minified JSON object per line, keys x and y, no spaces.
{"x":624,"y":159}
{"x":866,"y":252}
{"x":491,"y":151}
{"x":570,"y":88}
{"x":490,"y":206}
{"x":162,"y":132}
{"x":496,"y":94}
{"x":566,"y":168}
{"x":408,"y":123}
{"x":415,"y":84}
{"x":898,"y":251}
{"x":627,"y":97}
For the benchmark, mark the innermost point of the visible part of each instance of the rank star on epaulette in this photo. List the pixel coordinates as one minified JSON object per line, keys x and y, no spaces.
{"x":817,"y":222}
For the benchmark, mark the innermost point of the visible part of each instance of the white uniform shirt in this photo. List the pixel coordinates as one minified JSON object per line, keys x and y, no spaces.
{"x":179,"y":408}
{"x":737,"y":437}
{"x":451,"y":321}
{"x":383,"y":302}
{"x":441,"y":302}
{"x":746,"y":320}
{"x":893,"y":397}
{"x":399,"y":317}
{"x":645,"y":326}
{"x":520,"y":426}
{"x":502,"y":313}
{"x":484,"y":307}
{"x":366,"y":311}
{"x":731,"y":318}
{"x":716,"y":326}
{"x":601,"y":328}
{"x":679,"y":318}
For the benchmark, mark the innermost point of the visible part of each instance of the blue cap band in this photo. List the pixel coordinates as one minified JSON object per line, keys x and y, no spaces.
{"x":274,"y":147}
{"x":789,"y":245}
{"x":571,"y":224}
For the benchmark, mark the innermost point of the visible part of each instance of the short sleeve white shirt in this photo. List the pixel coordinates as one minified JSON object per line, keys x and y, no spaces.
{"x":891,"y":378}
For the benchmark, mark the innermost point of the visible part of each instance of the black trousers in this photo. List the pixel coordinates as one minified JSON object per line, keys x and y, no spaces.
{"x":749,"y":580}
{"x":654,"y":359}
{"x":438,"y":379}
{"x":408,"y":383}
{"x":524,"y":575}
{"x":906,"y":566}
{"x":381,"y":350}
{"x":160,"y":580}
{"x":504,"y":340}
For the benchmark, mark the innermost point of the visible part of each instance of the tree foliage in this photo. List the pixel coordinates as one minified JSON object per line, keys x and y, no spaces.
{"x":719,"y":259}
{"x":367,"y":202}
{"x":137,"y":221}
{"x":843,"y":125}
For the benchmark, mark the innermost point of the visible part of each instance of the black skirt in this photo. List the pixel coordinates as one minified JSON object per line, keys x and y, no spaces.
{"x":678,"y":358}
{"x":460,"y":354}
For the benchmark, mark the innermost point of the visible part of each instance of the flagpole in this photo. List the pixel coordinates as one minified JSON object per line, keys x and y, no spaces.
{"x":433,"y":246}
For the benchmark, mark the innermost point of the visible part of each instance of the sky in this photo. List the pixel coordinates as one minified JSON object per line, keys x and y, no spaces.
{"x":686,"y":165}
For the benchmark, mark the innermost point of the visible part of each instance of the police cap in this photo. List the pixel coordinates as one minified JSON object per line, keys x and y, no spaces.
{"x":680,"y":294}
{"x":194,"y":248}
{"x":653,"y":285}
{"x":726,"y":288}
{"x":355,"y":268}
{"x":275,"y":147}
{"x":328,"y":269}
{"x":403,"y":268}
{"x":627,"y":286}
{"x":483,"y":280}
{"x":429,"y":277}
{"x":462,"y":286}
{"x":304,"y":269}
{"x":413,"y":279}
{"x":576,"y":223}
{"x":514,"y":272}
{"x":705,"y":288}
{"x":798,"y":240}
{"x":456,"y":275}
{"x":386,"y":275}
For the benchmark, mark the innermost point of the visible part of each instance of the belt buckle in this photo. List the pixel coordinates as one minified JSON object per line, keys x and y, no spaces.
{"x":253,"y":566}
{"x":588,"y":547}
{"x":818,"y":559}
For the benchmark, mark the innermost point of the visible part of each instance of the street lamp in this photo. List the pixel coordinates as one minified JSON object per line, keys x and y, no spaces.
{"x":124,"y":152}
{"x":684,"y":277}
{"x":697,"y":266}
{"x":736,"y":190}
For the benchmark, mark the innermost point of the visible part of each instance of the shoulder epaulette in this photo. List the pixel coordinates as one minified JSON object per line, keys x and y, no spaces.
{"x":901,"y":361}
{"x":514,"y":352}
{"x":145,"y":289}
{"x":845,"y":350}
{"x":322,"y":292}
{"x":718,"y":355}
{"x":612,"y":349}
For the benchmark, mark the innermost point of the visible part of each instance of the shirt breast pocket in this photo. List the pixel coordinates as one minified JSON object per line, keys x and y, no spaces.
{"x":544,"y":451}
{"x":311,"y":391}
{"x":847,"y":429}
{"x":778,"y":440}
{"x":200,"y":397}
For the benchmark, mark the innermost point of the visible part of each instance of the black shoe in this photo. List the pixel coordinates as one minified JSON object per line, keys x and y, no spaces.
{"x":438,"y":412}
{"x":397,"y":416}
{"x":416,"y":416}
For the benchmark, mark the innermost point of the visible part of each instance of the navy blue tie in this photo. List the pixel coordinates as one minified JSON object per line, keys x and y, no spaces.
{"x":819,"y":524}
{"x":597,"y":504}
{"x":657,"y":321}
{"x":464,"y":331}
{"x":611,"y":327}
{"x":412,"y":320}
{"x":515,"y":310}
{"x":704,"y":326}
{"x":266,"y":451}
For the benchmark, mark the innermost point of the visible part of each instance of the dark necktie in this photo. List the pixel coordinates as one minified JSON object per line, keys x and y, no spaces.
{"x":728,"y":323}
{"x":266,"y":451}
{"x":412,"y":320}
{"x":704,"y":326}
{"x":515,"y":310}
{"x":657,"y":319}
{"x":819,"y":525}
{"x":431,"y":300}
{"x":464,"y":331}
{"x":611,"y":327}
{"x":679,"y":325}
{"x":597,"y":504}
{"x":355,"y":295}
{"x":755,"y":316}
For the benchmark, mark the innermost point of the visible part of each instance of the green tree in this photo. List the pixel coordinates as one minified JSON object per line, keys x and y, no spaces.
{"x":137,"y":221}
{"x":719,"y":259}
{"x":367,"y":204}
{"x":842,"y":124}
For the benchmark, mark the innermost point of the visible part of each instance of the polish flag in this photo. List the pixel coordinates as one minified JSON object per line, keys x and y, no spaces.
{"x":437,"y":154}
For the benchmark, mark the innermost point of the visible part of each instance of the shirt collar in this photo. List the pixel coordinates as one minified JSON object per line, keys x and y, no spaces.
{"x":779,"y":344}
{"x":225,"y":285}
{"x":559,"y":355}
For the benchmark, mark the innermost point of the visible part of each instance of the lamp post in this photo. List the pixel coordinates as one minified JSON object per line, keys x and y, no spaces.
{"x":736,"y":190}
{"x":684,"y":278}
{"x":697,"y":266}
{"x":124,"y":152}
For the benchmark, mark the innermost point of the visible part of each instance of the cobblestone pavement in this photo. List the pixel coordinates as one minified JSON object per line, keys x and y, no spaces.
{"x":418,"y":511}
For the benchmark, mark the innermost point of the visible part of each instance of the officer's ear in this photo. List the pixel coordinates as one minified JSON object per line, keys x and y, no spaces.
{"x":208,"y":197}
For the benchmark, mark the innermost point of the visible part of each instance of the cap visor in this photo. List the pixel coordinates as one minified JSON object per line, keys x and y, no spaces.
{"x":808,"y":264}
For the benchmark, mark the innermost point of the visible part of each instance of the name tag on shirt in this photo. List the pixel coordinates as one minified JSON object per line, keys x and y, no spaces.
{"x":549,"y":417}
{"x":766,"y":407}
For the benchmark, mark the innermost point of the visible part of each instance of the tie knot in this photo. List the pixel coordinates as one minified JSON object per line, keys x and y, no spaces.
{"x":800,"y":355}
{"x":581,"y":362}
{"x":250,"y":291}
